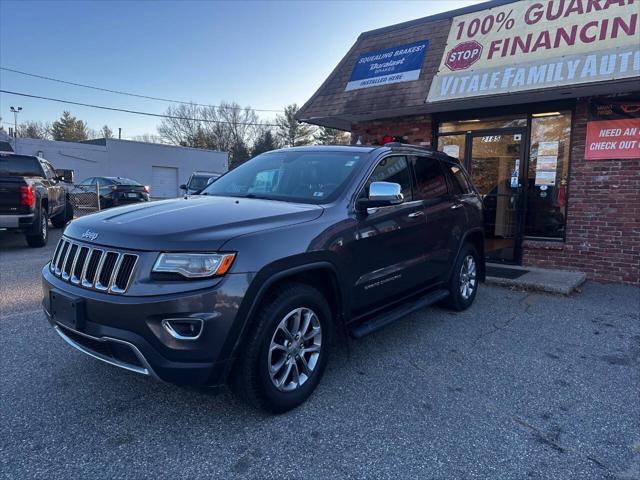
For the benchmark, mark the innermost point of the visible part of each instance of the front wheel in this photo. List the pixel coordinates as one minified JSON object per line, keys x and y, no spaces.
{"x":283,"y":360}
{"x":64,"y":217}
{"x":463,"y":285}
{"x":39,"y":239}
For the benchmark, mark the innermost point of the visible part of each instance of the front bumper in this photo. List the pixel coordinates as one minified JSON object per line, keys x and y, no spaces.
{"x":127,"y":331}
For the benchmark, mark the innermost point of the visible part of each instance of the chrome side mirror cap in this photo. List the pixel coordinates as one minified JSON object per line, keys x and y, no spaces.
{"x":381,"y":194}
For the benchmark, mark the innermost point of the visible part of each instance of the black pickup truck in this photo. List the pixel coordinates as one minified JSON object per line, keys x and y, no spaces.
{"x":31,"y":194}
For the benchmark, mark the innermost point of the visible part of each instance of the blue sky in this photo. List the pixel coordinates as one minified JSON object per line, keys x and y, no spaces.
{"x":263,"y":54}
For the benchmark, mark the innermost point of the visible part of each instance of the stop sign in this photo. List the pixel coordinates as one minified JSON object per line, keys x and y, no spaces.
{"x":463,"y":55}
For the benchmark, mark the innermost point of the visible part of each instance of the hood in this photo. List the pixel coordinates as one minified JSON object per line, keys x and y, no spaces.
{"x":194,"y":223}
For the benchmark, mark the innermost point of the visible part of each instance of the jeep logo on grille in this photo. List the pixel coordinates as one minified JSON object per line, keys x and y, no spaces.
{"x":90,"y":235}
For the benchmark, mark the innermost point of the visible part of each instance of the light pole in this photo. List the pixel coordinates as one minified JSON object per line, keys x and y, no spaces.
{"x":15,"y":111}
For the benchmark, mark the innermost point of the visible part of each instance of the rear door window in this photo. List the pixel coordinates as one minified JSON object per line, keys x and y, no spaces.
{"x":430,"y":181}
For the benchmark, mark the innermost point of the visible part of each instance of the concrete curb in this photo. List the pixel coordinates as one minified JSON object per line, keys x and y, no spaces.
{"x":542,"y":280}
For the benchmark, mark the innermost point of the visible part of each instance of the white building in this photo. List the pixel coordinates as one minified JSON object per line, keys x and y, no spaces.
{"x":162,"y":167}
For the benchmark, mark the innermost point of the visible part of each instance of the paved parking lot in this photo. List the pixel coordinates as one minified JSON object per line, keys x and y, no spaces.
{"x":520,"y":386}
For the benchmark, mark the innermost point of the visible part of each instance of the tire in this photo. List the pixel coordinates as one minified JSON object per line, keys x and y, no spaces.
{"x":64,"y":217}
{"x":463,"y":285}
{"x":40,"y":239}
{"x":252,"y":378}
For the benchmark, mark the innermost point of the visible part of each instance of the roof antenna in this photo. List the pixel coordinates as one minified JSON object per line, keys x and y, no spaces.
{"x":359,"y":142}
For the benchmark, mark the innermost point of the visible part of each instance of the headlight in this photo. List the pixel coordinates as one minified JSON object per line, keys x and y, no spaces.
{"x":194,"y":265}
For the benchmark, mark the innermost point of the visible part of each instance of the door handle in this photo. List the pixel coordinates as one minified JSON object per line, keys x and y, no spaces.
{"x":416,"y":214}
{"x":457,"y":205}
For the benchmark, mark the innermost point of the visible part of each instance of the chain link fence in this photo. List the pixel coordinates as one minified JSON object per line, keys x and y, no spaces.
{"x":85,"y":199}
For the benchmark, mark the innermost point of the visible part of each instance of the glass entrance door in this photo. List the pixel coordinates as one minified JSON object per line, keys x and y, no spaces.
{"x":495,"y":160}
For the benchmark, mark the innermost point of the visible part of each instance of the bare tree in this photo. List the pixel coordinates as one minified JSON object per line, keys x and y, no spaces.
{"x":179,"y":129}
{"x":106,"y":132}
{"x":33,"y":129}
{"x":228,"y":127}
{"x":147,"y":138}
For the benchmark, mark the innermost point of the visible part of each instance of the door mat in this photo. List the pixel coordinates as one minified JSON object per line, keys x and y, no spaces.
{"x":502,"y":272}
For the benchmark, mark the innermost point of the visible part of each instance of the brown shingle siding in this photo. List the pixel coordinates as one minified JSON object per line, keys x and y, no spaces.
{"x":331,"y":99}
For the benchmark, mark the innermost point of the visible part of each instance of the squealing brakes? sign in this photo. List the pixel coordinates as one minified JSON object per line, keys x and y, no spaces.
{"x":392,"y":65}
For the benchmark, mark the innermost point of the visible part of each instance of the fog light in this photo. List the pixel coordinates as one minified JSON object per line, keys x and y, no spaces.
{"x":183,"y":328}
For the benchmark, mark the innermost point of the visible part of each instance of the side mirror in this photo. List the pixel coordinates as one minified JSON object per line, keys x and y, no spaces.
{"x":381,"y":194}
{"x":183,"y":187}
{"x":64,"y":175}
{"x":211,"y":180}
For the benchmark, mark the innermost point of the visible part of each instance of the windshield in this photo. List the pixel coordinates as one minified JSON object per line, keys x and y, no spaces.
{"x":296,"y":176}
{"x":198,"y":182}
{"x":20,"y":166}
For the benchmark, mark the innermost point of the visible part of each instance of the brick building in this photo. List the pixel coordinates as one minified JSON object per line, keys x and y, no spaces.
{"x":541,"y":102}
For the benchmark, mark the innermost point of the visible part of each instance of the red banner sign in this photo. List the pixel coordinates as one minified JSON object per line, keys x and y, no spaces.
{"x":613,"y":139}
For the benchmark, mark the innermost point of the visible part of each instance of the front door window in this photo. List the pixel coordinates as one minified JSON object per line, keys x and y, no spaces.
{"x":495,"y":169}
{"x":389,"y":251}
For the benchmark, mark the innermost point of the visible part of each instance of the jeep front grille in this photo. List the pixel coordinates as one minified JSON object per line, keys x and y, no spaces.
{"x":106,"y":270}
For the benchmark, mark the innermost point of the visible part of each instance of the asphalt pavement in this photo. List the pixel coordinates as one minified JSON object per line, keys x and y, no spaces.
{"x":521,"y":385}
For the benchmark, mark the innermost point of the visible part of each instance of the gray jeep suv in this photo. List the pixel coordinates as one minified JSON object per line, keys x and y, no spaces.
{"x":249,"y":282}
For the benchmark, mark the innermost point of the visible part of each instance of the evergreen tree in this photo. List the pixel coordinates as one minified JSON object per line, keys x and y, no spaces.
{"x":70,"y":129}
{"x":332,"y":136}
{"x":239,"y":154}
{"x":264,"y":143}
{"x":290,"y":131}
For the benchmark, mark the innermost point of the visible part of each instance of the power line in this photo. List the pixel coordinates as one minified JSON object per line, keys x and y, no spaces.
{"x":137,"y":112}
{"x":120,"y":92}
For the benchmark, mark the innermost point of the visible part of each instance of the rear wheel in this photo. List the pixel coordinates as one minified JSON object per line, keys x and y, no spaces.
{"x":39,"y":239}
{"x":463,"y":285}
{"x":283,"y":360}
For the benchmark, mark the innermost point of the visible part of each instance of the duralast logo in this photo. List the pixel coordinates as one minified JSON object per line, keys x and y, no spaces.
{"x":90,"y":235}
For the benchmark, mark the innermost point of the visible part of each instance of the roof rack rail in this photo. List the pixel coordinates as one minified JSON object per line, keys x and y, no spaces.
{"x":400,"y":144}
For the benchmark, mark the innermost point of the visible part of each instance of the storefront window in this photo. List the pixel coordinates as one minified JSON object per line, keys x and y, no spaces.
{"x":484,"y":124}
{"x":452,"y":145}
{"x":548,"y":175}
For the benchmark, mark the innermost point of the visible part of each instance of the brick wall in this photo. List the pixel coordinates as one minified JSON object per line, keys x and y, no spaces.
{"x":603,"y":217}
{"x":414,"y":130}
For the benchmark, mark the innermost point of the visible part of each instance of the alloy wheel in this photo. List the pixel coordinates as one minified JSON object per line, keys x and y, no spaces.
{"x":468,"y":280}
{"x":295,"y":349}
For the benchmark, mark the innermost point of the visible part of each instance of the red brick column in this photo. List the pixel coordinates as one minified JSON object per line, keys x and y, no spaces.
{"x":603,"y":217}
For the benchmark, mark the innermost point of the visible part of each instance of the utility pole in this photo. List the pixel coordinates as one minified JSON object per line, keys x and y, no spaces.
{"x":119,"y":133}
{"x":15,"y":112}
